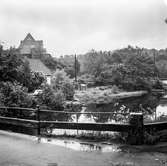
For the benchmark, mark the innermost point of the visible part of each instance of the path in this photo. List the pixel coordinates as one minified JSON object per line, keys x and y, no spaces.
{"x":23,"y":150}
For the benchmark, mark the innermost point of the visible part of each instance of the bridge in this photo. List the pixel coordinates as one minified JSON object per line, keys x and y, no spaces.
{"x":13,"y":118}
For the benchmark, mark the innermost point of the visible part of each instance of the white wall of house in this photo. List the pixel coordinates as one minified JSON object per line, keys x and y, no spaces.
{"x":48,"y":80}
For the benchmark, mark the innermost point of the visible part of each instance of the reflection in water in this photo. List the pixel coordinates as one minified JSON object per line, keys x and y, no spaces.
{"x":148,"y":104}
{"x":154,"y":107}
{"x":161,"y":110}
{"x":85,"y":119}
{"x":165,"y":97}
{"x":164,"y":81}
{"x":83,"y":146}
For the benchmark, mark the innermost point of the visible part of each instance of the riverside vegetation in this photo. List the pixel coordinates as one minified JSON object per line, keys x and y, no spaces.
{"x":124,"y":70}
{"x":127,"y":69}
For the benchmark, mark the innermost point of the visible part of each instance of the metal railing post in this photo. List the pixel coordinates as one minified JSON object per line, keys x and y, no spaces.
{"x":77,"y":117}
{"x":136,"y":134}
{"x":38,"y":119}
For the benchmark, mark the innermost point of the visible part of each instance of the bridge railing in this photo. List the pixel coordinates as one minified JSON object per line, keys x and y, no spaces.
{"x":34,"y":118}
{"x":22,"y":117}
{"x":32,"y":114}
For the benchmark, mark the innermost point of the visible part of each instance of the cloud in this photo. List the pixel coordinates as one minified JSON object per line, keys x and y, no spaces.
{"x":75,"y":26}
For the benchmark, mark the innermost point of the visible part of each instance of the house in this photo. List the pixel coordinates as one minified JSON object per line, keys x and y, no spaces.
{"x":36,"y":65}
{"x":33,"y":50}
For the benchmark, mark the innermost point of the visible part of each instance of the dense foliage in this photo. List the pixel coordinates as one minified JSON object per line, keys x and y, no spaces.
{"x":51,"y":99}
{"x":53,"y":96}
{"x":17,"y":80}
{"x":129,"y":68}
{"x":29,"y":79}
{"x":61,"y":81}
{"x":70,"y":64}
{"x":14,"y":68}
{"x":13,"y":94}
{"x":51,"y":62}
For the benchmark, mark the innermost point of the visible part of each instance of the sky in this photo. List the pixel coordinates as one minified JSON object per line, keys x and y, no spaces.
{"x":77,"y":26}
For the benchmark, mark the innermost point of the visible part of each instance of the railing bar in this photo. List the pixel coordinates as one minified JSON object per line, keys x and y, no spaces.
{"x":25,"y":109}
{"x":64,"y":112}
{"x":154,"y":123}
{"x":58,"y":122}
{"x":18,"y":119}
{"x":65,"y":122}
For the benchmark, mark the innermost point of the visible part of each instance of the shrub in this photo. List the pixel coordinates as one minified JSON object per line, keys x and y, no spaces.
{"x":58,"y":100}
{"x":68,"y":90}
{"x":14,"y":94}
{"x":58,"y":78}
{"x":50,"y":98}
{"x":60,"y":81}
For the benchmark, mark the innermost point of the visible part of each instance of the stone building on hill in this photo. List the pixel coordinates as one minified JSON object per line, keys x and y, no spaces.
{"x":33,"y":50}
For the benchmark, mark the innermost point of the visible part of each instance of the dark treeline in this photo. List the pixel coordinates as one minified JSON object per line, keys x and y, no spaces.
{"x":17,"y":80}
{"x":130,"y":68}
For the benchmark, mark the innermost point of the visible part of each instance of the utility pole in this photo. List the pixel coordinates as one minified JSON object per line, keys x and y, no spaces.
{"x":75,"y":68}
{"x":155,"y":63}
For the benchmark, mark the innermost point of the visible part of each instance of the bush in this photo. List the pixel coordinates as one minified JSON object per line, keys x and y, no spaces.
{"x":68,"y":90}
{"x":50,"y":98}
{"x":58,"y":78}
{"x":60,"y":81}
{"x":14,"y":94}
{"x":58,"y":100}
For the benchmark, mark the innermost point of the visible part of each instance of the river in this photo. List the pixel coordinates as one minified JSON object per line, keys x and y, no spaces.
{"x":154,"y":107}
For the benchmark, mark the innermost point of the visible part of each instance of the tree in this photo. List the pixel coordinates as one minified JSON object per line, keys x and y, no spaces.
{"x":51,"y":99}
{"x":10,"y":67}
{"x":1,"y":48}
{"x":58,"y":78}
{"x":131,"y":67}
{"x":50,"y":62}
{"x":61,"y":81}
{"x":36,"y":81}
{"x":68,"y":90}
{"x":70,"y":65}
{"x":16,"y":69}
{"x":13,"y":94}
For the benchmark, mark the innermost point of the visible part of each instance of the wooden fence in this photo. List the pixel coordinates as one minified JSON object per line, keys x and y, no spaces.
{"x":135,"y":127}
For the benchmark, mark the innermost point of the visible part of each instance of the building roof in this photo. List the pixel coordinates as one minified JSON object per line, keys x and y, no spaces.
{"x":29,"y":43}
{"x":37,"y":65}
{"x":29,"y":37}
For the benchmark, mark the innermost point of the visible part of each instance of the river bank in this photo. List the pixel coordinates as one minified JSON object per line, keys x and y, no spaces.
{"x":104,"y":95}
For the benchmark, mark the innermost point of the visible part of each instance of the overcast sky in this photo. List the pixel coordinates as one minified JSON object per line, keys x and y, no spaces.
{"x":77,"y":26}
